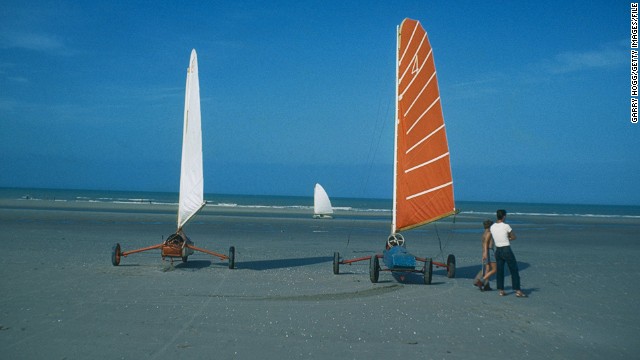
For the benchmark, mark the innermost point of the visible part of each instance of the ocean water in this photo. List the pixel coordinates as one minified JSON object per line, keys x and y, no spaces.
{"x":355,"y":205}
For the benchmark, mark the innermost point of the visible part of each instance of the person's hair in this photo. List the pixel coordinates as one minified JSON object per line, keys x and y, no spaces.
{"x":500,"y":214}
{"x":487,"y":223}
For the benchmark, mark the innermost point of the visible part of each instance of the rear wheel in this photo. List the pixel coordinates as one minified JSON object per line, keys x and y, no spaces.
{"x":374,"y":269}
{"x":185,"y":256}
{"x":336,"y":263}
{"x":451,"y":266}
{"x":232,"y":257}
{"x":428,"y":271}
{"x":115,"y":255}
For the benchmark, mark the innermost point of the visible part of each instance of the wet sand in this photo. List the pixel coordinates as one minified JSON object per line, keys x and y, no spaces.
{"x":62,"y":298}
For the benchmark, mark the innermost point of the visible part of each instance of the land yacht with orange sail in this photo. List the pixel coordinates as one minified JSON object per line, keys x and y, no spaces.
{"x":422,"y":181}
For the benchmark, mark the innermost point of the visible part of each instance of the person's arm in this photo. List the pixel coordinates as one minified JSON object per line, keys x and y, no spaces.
{"x":511,"y":235}
{"x":485,"y":245}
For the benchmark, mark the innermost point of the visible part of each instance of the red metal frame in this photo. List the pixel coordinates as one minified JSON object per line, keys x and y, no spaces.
{"x":158,"y":246}
{"x":221,"y":256}
{"x":438,"y":264}
{"x":125,"y":253}
{"x":344,"y":262}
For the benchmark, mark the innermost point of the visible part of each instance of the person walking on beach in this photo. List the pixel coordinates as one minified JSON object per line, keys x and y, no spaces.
{"x":488,"y":258}
{"x":502,"y":236}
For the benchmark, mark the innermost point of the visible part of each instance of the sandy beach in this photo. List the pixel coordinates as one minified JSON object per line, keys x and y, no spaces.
{"x":63,"y":299}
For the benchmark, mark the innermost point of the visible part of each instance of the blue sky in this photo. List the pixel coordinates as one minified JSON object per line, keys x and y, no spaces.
{"x":535,"y":96}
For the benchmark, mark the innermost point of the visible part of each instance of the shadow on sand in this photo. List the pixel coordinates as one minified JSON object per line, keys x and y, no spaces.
{"x":282,"y":263}
{"x":194,"y":264}
{"x":440,"y":276}
{"x":470,"y":272}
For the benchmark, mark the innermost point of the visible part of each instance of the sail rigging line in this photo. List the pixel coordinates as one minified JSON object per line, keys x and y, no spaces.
{"x":449,"y":237}
{"x":441,"y":254}
{"x":375,"y":145}
{"x":381,"y":123}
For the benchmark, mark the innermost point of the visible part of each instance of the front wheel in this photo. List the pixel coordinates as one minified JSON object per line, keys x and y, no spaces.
{"x":451,"y":266}
{"x":115,"y":255}
{"x":374,"y":269}
{"x":336,"y":263}
{"x":232,"y":257}
{"x":428,"y":271}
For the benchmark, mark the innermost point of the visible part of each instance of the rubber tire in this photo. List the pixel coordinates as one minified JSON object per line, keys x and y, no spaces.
{"x":115,"y":255}
{"x":232,"y":257}
{"x":336,"y":263}
{"x":451,"y":266}
{"x":428,"y":271}
{"x":374,"y":269}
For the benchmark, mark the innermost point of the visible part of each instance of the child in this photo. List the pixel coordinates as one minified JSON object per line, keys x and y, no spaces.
{"x":488,"y":258}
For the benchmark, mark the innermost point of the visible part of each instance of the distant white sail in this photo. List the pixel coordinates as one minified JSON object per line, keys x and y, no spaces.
{"x":191,"y":174}
{"x":321,"y":203}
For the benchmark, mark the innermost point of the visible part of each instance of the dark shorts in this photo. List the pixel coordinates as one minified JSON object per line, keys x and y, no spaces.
{"x":491,"y":256}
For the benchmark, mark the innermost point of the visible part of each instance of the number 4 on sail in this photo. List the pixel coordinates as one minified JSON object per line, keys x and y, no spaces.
{"x":191,"y":201}
{"x":423,"y":184}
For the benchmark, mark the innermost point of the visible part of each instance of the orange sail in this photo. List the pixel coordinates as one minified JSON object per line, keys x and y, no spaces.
{"x":423,"y":185}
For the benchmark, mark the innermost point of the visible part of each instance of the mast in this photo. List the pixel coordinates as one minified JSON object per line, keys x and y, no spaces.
{"x":395,"y":140}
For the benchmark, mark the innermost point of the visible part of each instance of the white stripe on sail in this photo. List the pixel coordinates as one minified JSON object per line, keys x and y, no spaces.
{"x":409,"y":42}
{"x":414,"y":55}
{"x":425,"y":138}
{"x":429,"y":190}
{"x":426,"y":163}
{"x":419,"y":69}
{"x":423,"y":114}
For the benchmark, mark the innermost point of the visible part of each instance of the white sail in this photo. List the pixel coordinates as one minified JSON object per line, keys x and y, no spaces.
{"x":191,"y":174}
{"x":321,"y":202}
